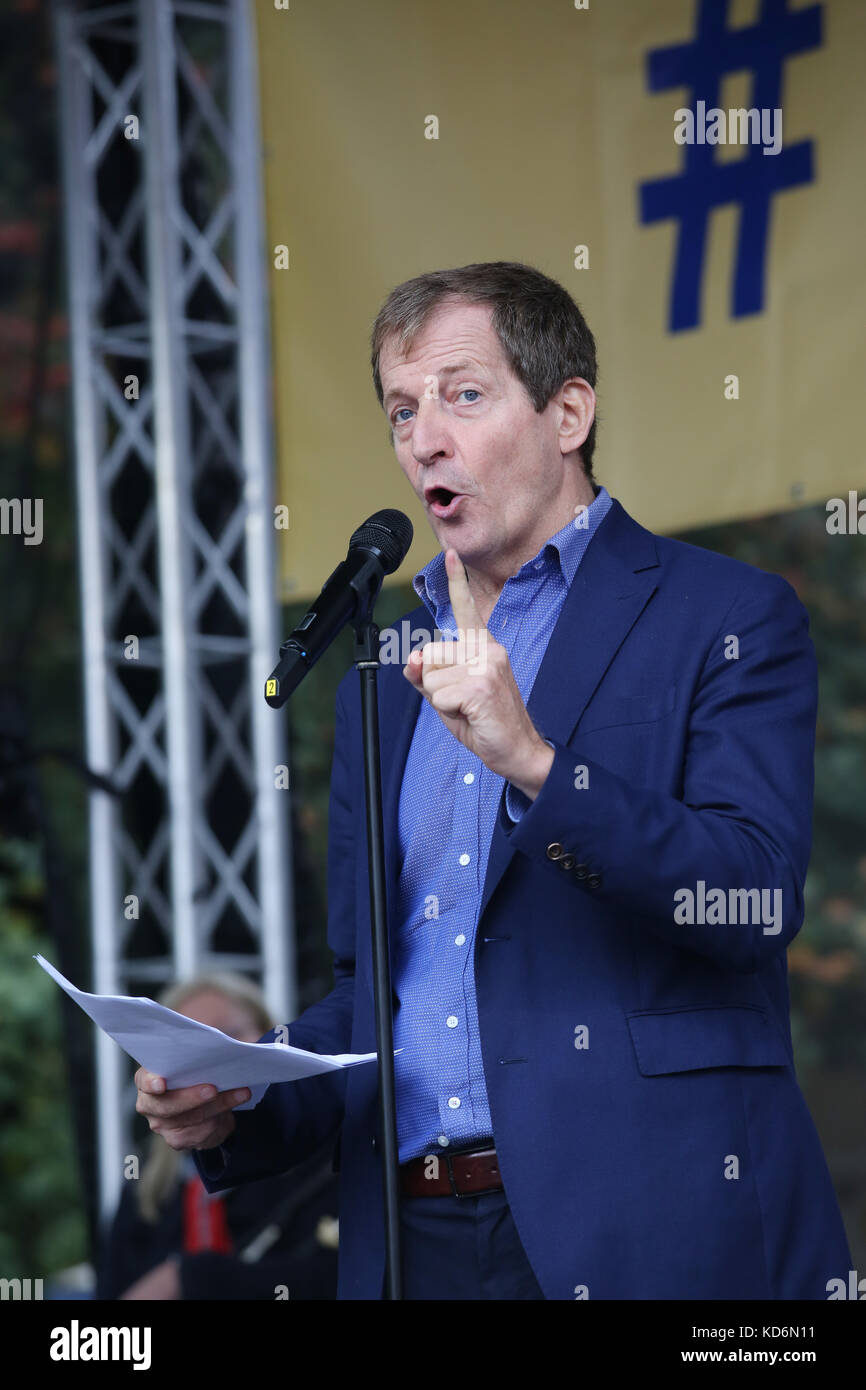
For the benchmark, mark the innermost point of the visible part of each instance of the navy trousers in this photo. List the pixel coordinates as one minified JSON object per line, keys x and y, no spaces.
{"x":463,"y":1248}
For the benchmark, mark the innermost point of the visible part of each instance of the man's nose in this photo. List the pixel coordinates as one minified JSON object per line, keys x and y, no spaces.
{"x":430,"y":436}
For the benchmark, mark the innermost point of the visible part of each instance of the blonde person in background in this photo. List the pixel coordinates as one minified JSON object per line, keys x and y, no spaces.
{"x":170,"y":1239}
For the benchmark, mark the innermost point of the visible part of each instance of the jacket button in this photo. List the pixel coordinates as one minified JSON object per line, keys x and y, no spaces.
{"x":554,"y":851}
{"x":581,"y":870}
{"x":593,"y":881}
{"x":566,"y":862}
{"x":373,"y":1144}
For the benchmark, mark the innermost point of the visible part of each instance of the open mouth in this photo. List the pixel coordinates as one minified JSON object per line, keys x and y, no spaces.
{"x":442,"y":501}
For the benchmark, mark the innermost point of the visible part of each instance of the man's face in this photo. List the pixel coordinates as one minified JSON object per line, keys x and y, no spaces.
{"x":463,"y":422}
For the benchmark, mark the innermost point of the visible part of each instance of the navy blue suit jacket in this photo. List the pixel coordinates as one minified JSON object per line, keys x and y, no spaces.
{"x":652,"y":1137}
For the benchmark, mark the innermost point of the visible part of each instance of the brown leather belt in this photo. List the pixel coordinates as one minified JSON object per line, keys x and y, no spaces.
{"x":461,"y":1174}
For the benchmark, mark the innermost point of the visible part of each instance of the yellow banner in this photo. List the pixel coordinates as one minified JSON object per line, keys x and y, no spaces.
{"x":690,"y":170}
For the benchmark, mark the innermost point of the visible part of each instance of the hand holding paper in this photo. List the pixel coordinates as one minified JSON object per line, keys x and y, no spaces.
{"x":188,"y":1053}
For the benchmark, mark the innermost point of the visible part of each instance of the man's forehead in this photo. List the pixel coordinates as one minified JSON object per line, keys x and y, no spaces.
{"x":453,"y":334}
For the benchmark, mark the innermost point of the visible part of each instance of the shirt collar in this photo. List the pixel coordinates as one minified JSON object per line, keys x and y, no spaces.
{"x":564,"y":549}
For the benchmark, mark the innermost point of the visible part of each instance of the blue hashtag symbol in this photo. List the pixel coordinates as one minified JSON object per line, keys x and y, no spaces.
{"x":689,"y":196}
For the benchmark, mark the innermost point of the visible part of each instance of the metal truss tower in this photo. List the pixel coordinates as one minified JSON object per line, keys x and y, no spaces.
{"x":190,"y":864}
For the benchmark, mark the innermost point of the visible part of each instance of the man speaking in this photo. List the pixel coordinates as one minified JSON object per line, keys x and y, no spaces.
{"x":597,"y":782}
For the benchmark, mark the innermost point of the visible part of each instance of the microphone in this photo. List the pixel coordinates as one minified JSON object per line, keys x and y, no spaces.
{"x":377,"y":548}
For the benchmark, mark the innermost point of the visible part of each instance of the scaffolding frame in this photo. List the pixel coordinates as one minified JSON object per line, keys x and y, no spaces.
{"x":190,"y":863}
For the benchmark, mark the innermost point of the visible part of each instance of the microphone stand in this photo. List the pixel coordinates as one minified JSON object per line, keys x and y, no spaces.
{"x":366,"y":660}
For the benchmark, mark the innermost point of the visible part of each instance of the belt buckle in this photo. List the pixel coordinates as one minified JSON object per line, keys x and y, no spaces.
{"x":482,"y":1192}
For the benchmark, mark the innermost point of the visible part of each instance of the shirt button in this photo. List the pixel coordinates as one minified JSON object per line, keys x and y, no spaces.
{"x":443,"y":1141}
{"x":459,"y":940}
{"x":452,"y":1021}
{"x":469,"y":778}
{"x":454,"y":1103}
{"x":464,"y":859}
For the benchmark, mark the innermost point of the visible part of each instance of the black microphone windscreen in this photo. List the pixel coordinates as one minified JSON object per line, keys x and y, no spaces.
{"x":390,"y":532}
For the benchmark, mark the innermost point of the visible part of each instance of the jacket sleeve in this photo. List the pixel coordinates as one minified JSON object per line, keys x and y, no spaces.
{"x":743,"y":818}
{"x":294,"y":1118}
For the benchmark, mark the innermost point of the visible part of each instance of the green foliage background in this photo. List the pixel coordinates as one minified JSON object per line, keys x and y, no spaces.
{"x":41,"y":1221}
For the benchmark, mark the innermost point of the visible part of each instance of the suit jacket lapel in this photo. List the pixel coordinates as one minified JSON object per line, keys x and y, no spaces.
{"x":613,"y":584}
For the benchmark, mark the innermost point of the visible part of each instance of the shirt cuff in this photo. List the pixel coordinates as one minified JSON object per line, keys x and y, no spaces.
{"x":516,"y":802}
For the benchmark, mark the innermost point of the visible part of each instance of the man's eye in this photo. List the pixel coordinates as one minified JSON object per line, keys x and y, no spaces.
{"x":403,"y":410}
{"x":470,"y":391}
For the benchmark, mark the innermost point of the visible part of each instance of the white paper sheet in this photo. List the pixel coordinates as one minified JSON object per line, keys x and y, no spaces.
{"x":188,"y":1053}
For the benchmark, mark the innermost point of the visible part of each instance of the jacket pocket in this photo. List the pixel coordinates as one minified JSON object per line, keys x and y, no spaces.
{"x":730,"y":1035}
{"x":608,"y":711}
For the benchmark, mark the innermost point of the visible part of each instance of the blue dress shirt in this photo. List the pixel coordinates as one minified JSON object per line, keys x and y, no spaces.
{"x":447,"y":811}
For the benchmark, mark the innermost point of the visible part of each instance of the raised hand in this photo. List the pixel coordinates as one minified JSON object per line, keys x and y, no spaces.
{"x":470,"y":684}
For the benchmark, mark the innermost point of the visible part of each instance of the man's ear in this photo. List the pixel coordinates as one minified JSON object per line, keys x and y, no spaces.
{"x":577,"y":403}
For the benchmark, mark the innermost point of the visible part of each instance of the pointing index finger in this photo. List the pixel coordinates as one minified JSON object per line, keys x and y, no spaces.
{"x":463,"y":606}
